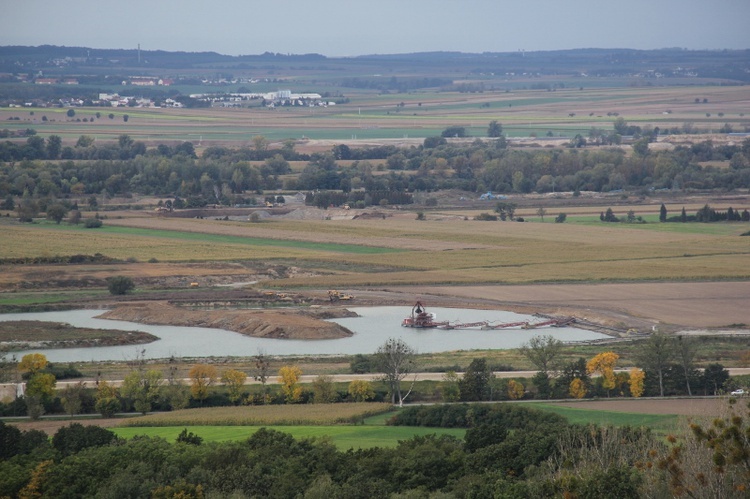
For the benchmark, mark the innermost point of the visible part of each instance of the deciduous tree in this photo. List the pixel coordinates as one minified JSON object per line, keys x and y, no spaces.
{"x":324,"y":391}
{"x":120,"y":285}
{"x":494,"y":129}
{"x":289,"y":379}
{"x":475,"y":384}
{"x":361,"y":390}
{"x":234,"y":380}
{"x":395,"y":359}
{"x":542,"y":352}
{"x":56,"y":212}
{"x":202,"y":376}
{"x":32,"y":363}
{"x":577,"y":388}
{"x":655,"y":356}
{"x":107,"y":402}
{"x":636,"y":382}
{"x":450,"y":388}
{"x":515,"y":390}
{"x":143,"y":387}
{"x":604,"y":365}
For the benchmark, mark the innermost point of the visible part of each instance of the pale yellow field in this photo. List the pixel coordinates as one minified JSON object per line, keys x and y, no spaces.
{"x":431,"y":252}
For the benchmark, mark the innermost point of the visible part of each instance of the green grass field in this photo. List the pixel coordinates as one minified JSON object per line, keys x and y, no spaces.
{"x":344,"y":437}
{"x":657,"y":422}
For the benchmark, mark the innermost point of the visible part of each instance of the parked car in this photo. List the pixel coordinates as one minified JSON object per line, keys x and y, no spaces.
{"x":739,"y":393}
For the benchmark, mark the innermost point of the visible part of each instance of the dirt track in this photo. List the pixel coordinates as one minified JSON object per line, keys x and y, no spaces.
{"x":683,"y":304}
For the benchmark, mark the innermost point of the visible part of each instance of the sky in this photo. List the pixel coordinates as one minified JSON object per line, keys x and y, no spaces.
{"x":338,"y":28}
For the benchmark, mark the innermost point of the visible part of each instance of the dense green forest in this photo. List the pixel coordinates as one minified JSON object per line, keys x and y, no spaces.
{"x":508,"y":451}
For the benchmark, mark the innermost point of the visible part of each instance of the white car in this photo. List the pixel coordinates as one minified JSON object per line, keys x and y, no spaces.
{"x":739,"y":393}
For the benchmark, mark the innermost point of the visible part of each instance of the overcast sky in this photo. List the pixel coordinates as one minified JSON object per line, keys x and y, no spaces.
{"x":356,"y":27}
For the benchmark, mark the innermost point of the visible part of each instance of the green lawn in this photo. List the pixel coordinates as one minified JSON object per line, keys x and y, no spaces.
{"x":344,"y":437}
{"x":657,"y":422}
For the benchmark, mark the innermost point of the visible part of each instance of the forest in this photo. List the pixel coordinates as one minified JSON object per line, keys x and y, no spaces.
{"x":508,"y":451}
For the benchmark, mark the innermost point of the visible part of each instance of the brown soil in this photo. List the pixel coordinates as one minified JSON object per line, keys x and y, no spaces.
{"x":641,"y":305}
{"x":261,"y":324}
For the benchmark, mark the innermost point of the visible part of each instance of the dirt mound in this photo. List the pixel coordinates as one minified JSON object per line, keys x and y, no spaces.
{"x":260,"y":324}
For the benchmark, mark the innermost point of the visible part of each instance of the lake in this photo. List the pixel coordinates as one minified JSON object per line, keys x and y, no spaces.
{"x":374,"y":326}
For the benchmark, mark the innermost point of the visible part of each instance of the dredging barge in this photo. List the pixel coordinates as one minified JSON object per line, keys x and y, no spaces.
{"x":421,"y":319}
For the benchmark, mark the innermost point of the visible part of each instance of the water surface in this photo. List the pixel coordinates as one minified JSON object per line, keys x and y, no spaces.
{"x":371,"y":330}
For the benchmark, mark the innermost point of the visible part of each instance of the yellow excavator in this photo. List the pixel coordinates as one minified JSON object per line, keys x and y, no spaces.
{"x":334,"y":296}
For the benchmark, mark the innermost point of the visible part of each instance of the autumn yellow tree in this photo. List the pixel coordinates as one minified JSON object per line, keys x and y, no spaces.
{"x":234,"y":380}
{"x":32,"y":363}
{"x":201,"y":377}
{"x":515,"y":390}
{"x":577,"y":388}
{"x":604,"y":365}
{"x":361,"y":390}
{"x":289,"y":379}
{"x":39,"y":385}
{"x":636,"y":382}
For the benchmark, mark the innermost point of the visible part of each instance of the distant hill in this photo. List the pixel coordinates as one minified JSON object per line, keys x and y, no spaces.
{"x":731,"y":65}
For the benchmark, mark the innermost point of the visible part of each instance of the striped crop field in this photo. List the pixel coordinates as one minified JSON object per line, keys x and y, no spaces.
{"x":446,"y":251}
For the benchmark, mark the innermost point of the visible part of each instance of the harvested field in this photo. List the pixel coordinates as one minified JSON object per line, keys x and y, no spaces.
{"x":698,"y":407}
{"x":50,"y":426}
{"x":281,"y":325}
{"x":308,"y":414}
{"x":685,"y":304}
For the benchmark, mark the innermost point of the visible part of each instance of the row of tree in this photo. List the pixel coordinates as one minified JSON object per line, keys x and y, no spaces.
{"x":222,"y":175}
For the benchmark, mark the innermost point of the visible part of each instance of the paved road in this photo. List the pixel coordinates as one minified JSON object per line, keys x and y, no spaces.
{"x":9,"y":389}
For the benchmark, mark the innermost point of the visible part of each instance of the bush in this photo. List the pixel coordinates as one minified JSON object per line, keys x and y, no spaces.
{"x":189,"y":437}
{"x":76,"y":437}
{"x":486,"y":217}
{"x":120,"y":285}
{"x":92,"y":223}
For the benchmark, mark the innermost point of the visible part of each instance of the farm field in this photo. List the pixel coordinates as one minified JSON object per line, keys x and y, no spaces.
{"x":369,"y":117}
{"x":690,"y":275}
{"x":344,"y":437}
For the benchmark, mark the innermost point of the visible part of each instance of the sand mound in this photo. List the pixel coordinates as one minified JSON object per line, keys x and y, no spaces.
{"x":259,"y":324}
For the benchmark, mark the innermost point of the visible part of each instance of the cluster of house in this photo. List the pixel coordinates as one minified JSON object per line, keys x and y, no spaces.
{"x":116,"y":100}
{"x":270,"y":99}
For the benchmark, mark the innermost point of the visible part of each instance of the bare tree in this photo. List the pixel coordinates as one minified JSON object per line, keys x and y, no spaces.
{"x":395,"y":359}
{"x":262,"y":369}
{"x":541,"y":211}
{"x":686,"y":355}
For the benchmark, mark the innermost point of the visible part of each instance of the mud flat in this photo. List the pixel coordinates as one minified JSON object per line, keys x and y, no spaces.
{"x":27,"y":335}
{"x":255,"y":323}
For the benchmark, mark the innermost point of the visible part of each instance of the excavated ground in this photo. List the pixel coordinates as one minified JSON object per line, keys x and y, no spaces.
{"x":260,"y":324}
